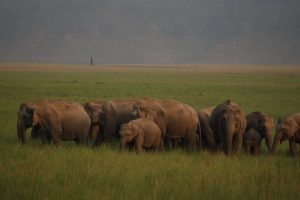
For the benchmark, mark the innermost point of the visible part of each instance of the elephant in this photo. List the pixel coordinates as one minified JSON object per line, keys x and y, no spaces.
{"x":206,"y":138}
{"x":54,"y":120}
{"x":144,"y":132}
{"x":94,"y":109}
{"x":175,"y":119}
{"x":288,"y":128}
{"x":35,"y":133}
{"x":263,"y":127}
{"x":251,"y":141}
{"x":110,"y":115}
{"x":228,"y":123}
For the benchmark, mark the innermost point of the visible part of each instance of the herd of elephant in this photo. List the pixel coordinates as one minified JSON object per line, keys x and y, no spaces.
{"x":156,"y":124}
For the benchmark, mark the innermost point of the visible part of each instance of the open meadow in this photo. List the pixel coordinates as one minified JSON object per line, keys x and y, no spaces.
{"x":72,"y":172}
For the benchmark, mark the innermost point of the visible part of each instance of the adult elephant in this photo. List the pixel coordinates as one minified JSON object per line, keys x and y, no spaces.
{"x":207,"y":140}
{"x":110,"y":115}
{"x":175,"y":119}
{"x":228,"y":123}
{"x":54,"y":120}
{"x":94,"y":110}
{"x":288,"y":128}
{"x":263,"y":126}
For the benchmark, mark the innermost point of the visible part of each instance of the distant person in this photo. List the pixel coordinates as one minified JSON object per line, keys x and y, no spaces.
{"x":92,"y":61}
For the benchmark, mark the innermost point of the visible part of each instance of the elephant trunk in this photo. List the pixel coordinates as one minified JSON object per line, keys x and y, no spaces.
{"x":276,"y":142}
{"x":229,"y":129}
{"x":94,"y":131}
{"x":268,"y":140}
{"x":21,"y":130}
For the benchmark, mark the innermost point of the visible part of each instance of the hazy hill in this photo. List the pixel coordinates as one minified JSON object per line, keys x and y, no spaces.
{"x":151,"y":31}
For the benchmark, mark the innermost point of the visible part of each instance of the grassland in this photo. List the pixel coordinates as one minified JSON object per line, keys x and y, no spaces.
{"x":36,"y":172}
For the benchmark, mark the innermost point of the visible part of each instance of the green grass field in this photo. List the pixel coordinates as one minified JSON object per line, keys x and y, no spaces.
{"x":36,"y":172}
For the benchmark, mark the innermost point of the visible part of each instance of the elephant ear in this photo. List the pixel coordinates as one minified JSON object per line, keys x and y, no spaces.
{"x":294,"y":127}
{"x":150,"y":113}
{"x":26,"y":108}
{"x":35,"y":119}
{"x":27,"y":111}
{"x":93,"y":110}
{"x":135,"y":130}
{"x":270,"y":122}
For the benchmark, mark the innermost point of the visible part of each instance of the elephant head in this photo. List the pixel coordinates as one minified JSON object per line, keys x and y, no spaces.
{"x":144,"y":112}
{"x":127,"y":133}
{"x":25,"y":120}
{"x":231,"y":120}
{"x":285,"y":129}
{"x":263,"y":124}
{"x":94,"y":111}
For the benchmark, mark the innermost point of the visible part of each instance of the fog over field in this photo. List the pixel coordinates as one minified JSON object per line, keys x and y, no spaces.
{"x":149,"y":31}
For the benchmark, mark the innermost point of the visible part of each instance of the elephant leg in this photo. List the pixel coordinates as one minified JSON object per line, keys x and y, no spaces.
{"x":56,"y":140}
{"x":83,"y":139}
{"x":138,"y":148}
{"x":139,"y":141}
{"x":293,"y":147}
{"x":191,"y":142}
{"x":56,"y":137}
{"x":99,"y":139}
{"x":93,"y":132}
{"x":168,"y":143}
{"x":218,"y":147}
{"x":35,"y":132}
{"x":247,"y":147}
{"x":161,"y":144}
{"x":55,"y":130}
{"x":156,"y":145}
{"x":45,"y":138}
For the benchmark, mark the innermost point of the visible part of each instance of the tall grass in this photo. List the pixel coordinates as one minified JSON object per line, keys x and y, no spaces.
{"x":33,"y":171}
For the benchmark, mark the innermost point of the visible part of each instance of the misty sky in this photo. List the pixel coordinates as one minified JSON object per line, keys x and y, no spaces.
{"x":151,"y":31}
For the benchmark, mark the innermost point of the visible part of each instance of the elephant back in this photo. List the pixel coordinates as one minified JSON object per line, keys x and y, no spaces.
{"x":67,"y":112}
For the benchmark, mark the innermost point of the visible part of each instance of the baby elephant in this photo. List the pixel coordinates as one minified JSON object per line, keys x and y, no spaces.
{"x":143,"y":132}
{"x":251,"y":141}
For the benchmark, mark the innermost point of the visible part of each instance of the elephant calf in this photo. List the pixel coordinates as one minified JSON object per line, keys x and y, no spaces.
{"x":143,"y":132}
{"x":259,"y":126}
{"x":251,"y":141}
{"x":288,"y":129}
